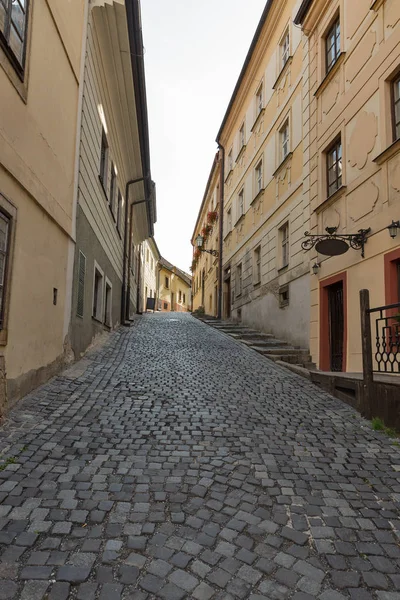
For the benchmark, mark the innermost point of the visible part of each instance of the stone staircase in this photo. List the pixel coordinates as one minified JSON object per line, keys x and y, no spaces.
{"x":296,"y":358}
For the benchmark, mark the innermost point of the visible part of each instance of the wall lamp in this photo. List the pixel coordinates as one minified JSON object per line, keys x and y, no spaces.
{"x":393,"y":227}
{"x":315,"y":268}
{"x":200,"y":243}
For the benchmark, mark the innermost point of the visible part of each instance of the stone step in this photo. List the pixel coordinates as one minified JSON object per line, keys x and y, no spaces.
{"x":284,"y":350}
{"x":256,"y":335}
{"x":293,"y":359}
{"x":271,"y":343}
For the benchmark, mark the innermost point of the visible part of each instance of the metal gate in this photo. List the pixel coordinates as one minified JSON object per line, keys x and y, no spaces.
{"x":336,"y":325}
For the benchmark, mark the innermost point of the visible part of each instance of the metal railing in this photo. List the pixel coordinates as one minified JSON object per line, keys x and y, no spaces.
{"x":387,"y":338}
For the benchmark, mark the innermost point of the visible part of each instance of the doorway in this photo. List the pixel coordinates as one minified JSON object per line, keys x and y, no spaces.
{"x":333,"y":323}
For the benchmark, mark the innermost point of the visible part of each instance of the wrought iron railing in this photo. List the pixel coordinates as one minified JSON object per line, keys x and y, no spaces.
{"x":387,"y":338}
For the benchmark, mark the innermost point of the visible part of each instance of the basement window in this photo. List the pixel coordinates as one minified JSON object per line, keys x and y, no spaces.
{"x":283,"y":296}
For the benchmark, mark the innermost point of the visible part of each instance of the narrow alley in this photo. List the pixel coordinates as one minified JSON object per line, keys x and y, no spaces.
{"x":174,"y":462}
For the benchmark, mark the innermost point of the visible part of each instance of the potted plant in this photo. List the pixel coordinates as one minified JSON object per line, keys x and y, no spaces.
{"x":212,"y":216}
{"x":205,"y":232}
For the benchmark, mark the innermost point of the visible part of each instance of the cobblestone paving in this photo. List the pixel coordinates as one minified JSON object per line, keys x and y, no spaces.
{"x":175,"y":462}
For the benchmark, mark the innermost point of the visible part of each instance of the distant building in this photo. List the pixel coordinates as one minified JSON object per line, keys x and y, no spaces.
{"x":116,"y":200}
{"x":151,"y":256}
{"x":174,"y":288}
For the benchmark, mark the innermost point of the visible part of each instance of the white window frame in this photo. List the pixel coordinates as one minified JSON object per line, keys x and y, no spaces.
{"x":284,"y":245}
{"x":99,"y":305}
{"x":285,"y":47}
{"x":284,"y":140}
{"x":258,"y":175}
{"x":240,"y":203}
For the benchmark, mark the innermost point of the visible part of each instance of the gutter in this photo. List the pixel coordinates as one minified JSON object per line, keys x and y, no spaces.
{"x":221,"y":227}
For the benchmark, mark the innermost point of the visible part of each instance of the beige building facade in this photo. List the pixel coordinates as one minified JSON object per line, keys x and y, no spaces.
{"x":174,"y":288}
{"x":39,"y":103}
{"x":352,"y":149}
{"x":264,"y":269}
{"x":204,"y":266}
{"x":151,"y":256}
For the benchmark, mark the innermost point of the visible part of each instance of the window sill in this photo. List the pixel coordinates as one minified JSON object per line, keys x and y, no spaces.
{"x":258,"y":118}
{"x":332,"y":198}
{"x":97,"y":320}
{"x":257,"y":196}
{"x":388,"y":153}
{"x":329,"y":76}
{"x":283,"y":163}
{"x":103,"y":188}
{"x":283,"y":269}
{"x":284,"y":305}
{"x":239,"y":219}
{"x":229,"y":175}
{"x":257,"y":284}
{"x":283,"y":71}
{"x":241,"y":151}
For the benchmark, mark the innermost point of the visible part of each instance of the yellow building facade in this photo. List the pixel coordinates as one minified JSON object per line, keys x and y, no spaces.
{"x":265,"y":272}
{"x":205,"y":265}
{"x":352,"y":148}
{"x":173,"y":288}
{"x":40,"y":73}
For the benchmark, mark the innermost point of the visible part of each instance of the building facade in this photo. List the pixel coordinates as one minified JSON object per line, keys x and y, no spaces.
{"x":150,"y":271}
{"x":174,"y":288}
{"x":265,"y":272}
{"x":352,"y":145}
{"x":204,"y":265}
{"x":116,"y":200}
{"x":39,"y":102}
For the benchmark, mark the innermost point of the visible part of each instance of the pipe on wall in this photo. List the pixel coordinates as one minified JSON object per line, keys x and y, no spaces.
{"x":221,"y":226}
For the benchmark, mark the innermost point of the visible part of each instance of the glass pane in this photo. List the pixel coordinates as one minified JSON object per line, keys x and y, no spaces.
{"x":398,"y":131}
{"x":18,"y":18}
{"x":16,"y":44}
{"x":396,"y":87}
{"x":339,"y":168}
{"x":397,"y":112}
{"x":3,"y":234}
{"x":332,"y":174}
{"x":2,"y":265}
{"x":339,"y":151}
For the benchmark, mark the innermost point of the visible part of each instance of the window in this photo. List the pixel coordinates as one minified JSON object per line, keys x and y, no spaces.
{"x":103,"y":157}
{"x":241,"y":203}
{"x":81,"y":284}
{"x":334,"y":167}
{"x":112,"y":188}
{"x":108,"y":304}
{"x":285,"y":48}
{"x":238,"y":280}
{"x":4,"y":255}
{"x":283,"y":296}
{"x":259,"y":100}
{"x":97,"y":293}
{"x":396,"y":108}
{"x":284,"y":244}
{"x":165,"y":306}
{"x":184,"y":298}
{"x":333,"y":45}
{"x":180,"y":296}
{"x":230,"y":161}
{"x":167,"y":282}
{"x":241,"y":137}
{"x":284,"y":139}
{"x":13,"y":31}
{"x":257,"y":265}
{"x":119,"y":211}
{"x":259,"y":177}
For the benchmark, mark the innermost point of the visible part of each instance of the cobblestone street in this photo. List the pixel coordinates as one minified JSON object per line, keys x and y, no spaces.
{"x":174,"y":462}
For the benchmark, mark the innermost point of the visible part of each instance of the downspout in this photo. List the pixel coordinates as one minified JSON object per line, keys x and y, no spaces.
{"x":138,"y":294}
{"x":124,"y":308}
{"x":221,"y":227}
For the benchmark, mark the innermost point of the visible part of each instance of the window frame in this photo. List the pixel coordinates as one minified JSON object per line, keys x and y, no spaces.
{"x":113,"y":187}
{"x":166,"y":282}
{"x":259,"y":177}
{"x":242,"y":136}
{"x":335,"y":25}
{"x":260,"y":99}
{"x":10,"y":212}
{"x":240,"y":204}
{"x":337,"y":142}
{"x":282,"y":140}
{"x":107,"y":309}
{"x":229,"y":219}
{"x":119,"y":211}
{"x":81,"y":285}
{"x":395,"y":102}
{"x":285,"y":49}
{"x":230,"y":160}
{"x":97,"y":310}
{"x":284,"y":245}
{"x":19,"y":66}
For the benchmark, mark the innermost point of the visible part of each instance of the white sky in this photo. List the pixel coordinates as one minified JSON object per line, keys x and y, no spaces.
{"x":194,"y":51}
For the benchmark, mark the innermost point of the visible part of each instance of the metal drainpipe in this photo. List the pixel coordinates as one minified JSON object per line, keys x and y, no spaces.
{"x":124,"y":261}
{"x":221,"y":227}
